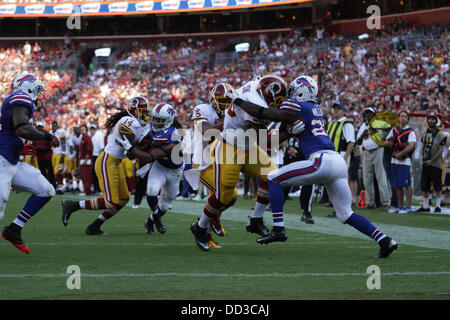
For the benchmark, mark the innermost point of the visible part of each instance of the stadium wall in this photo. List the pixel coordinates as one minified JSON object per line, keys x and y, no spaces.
{"x":424,"y":17}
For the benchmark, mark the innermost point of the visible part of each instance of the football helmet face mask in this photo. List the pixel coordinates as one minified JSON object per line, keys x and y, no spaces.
{"x":273,"y":89}
{"x":29,"y":84}
{"x":162,"y":116}
{"x":139,"y":108}
{"x":217,"y":96}
{"x":304,"y":88}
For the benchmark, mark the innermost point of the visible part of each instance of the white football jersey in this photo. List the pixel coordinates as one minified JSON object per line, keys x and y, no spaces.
{"x":129,"y":124}
{"x":63,"y":138}
{"x":237,"y":120}
{"x":202,"y":113}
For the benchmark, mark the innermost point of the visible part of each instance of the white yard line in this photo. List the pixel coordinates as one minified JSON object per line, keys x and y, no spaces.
{"x":223,"y":275}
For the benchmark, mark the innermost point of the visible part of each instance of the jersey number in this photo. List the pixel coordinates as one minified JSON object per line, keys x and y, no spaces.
{"x":319,"y":131}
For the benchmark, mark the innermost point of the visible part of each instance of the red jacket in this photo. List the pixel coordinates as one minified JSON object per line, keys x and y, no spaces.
{"x":43,"y":148}
{"x":86,"y":147}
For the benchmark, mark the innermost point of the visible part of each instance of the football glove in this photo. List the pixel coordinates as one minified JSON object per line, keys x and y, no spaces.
{"x":296,"y":127}
{"x":232,"y":95}
{"x":125,"y":143}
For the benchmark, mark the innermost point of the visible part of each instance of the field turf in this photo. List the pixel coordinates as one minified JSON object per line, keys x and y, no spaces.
{"x":326,"y":260}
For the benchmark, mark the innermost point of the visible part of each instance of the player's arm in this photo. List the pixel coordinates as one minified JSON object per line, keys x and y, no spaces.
{"x":271,"y":113}
{"x":155,"y":155}
{"x":23,"y":129}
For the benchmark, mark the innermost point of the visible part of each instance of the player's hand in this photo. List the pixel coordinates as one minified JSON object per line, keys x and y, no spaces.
{"x":125,"y":143}
{"x":297,"y":127}
{"x":232,"y":95}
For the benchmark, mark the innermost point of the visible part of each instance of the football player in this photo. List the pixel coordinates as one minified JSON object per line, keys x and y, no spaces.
{"x":324,"y":165}
{"x":16,"y":117}
{"x":209,"y":116}
{"x":131,"y":124}
{"x":164,"y":174}
{"x":233,"y":153}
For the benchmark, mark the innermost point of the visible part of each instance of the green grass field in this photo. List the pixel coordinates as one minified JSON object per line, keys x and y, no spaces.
{"x":326,"y":260}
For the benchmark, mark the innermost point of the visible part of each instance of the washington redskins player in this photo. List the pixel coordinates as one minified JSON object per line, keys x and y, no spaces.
{"x":131,"y":124}
{"x":232,"y":154}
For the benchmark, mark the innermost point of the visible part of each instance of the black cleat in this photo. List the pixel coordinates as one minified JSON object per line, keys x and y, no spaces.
{"x":274,"y":235}
{"x":158,"y":223}
{"x":437,"y":209}
{"x":94,"y":229}
{"x":332,"y":215}
{"x":149,"y":225}
{"x":422,"y":209}
{"x":256,"y":225}
{"x":387,"y":245}
{"x":307,"y":218}
{"x":68,"y":207}
{"x":15,"y":238}
{"x":201,"y":236}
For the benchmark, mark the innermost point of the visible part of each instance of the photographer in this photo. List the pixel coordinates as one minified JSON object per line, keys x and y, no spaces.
{"x":433,"y":143}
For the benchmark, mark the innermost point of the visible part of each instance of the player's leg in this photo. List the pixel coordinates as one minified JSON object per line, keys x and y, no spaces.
{"x":341,"y":198}
{"x":259,"y":164}
{"x":115,"y":192}
{"x":28,"y":178}
{"x":221,"y":178}
{"x":305,"y":203}
{"x":58,"y":177}
{"x":156,"y":180}
{"x":70,"y":206}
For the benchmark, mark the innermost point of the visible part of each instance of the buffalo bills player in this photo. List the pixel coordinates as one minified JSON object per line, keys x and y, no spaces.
{"x":15,"y":128}
{"x":324,"y":164}
{"x":165,"y":174}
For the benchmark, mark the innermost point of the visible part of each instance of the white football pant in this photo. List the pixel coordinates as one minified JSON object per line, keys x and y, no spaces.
{"x":24,"y":177}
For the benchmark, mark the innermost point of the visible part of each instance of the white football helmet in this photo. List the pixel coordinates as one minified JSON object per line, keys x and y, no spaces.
{"x":29,"y":84}
{"x":304,"y":88}
{"x":162,"y":116}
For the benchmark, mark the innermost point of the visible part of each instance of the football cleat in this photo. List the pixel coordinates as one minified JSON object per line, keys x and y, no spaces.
{"x":387,"y":245}
{"x":158,"y":223}
{"x":437,"y":209}
{"x":94,"y":229}
{"x":201,"y":236}
{"x":307,"y":218}
{"x":217,"y":226}
{"x":149,"y":225}
{"x":422,"y":209}
{"x":274,"y":236}
{"x":256,"y":225}
{"x":212,"y":243}
{"x":68,"y":207}
{"x":15,"y":238}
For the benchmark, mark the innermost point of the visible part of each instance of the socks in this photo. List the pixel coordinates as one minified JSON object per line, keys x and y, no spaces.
{"x":438,"y":202}
{"x":152,"y":202}
{"x":276,"y":195}
{"x":363,"y":225}
{"x":33,"y":205}
{"x":258,"y":212}
{"x":426,"y":203}
{"x":93,"y":204}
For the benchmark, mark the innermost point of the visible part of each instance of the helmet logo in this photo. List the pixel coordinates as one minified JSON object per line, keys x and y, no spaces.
{"x":26,"y":78}
{"x":303,"y":82}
